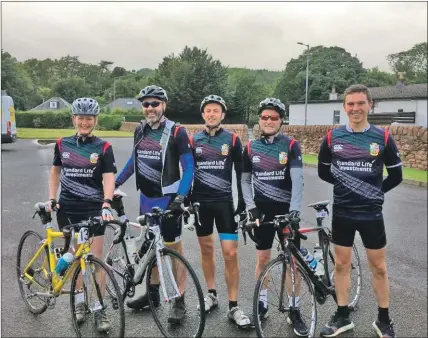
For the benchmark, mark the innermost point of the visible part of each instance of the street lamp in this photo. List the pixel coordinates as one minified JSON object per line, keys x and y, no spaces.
{"x":307,"y":79}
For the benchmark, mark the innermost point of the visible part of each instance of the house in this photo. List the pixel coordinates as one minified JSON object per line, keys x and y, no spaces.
{"x":54,"y":103}
{"x":396,"y":104}
{"x":124,"y":103}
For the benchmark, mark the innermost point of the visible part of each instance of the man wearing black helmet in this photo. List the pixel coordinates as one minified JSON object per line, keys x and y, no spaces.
{"x":216,"y":151}
{"x":272,"y":164}
{"x":160,"y":145}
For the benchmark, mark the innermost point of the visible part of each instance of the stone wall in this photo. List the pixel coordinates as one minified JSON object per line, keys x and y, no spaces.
{"x":240,"y":129}
{"x":411,"y":141}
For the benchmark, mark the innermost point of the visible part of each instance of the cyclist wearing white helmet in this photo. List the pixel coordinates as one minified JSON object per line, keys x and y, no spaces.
{"x":272,"y":164}
{"x":160,"y":146}
{"x":212,"y":187}
{"x":84,"y":165}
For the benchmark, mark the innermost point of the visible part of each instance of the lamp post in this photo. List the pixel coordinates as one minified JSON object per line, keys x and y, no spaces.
{"x":307,"y":79}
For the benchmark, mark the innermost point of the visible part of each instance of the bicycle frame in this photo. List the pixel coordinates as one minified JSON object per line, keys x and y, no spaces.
{"x":56,"y":280}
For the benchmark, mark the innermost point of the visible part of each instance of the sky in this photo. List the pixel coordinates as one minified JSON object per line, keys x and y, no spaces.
{"x":255,"y":35}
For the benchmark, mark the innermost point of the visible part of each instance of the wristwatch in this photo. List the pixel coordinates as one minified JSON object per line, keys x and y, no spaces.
{"x":107,"y":200}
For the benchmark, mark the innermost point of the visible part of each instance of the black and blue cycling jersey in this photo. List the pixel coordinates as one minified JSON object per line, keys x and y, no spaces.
{"x":83,"y":163}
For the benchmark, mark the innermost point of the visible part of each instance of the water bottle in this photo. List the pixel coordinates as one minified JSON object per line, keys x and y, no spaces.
{"x":63,"y":263}
{"x":131,"y":249}
{"x":318,"y":256}
{"x":309,"y":259}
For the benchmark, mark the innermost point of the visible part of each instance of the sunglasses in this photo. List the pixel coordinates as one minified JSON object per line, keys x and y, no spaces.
{"x":154,"y":104}
{"x":267,"y":117}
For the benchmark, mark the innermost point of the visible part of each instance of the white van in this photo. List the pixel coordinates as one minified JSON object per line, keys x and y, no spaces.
{"x":8,"y":122}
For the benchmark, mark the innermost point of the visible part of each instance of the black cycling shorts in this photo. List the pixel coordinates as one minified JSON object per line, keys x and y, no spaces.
{"x":265,"y":234}
{"x":372,"y":232}
{"x":66,"y":218}
{"x":222,"y":214}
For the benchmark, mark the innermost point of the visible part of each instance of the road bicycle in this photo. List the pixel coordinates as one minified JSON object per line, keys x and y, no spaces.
{"x":41,"y":281}
{"x":158,"y":262}
{"x":290,"y":263}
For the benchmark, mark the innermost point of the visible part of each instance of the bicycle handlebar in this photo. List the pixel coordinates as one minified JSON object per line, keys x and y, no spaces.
{"x":280,"y":222}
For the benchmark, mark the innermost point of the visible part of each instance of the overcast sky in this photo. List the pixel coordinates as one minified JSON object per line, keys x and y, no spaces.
{"x":254,"y":35}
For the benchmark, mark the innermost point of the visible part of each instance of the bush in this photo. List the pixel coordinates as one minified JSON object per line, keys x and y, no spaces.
{"x":44,"y":119}
{"x":126,"y":112}
{"x":61,"y":120}
{"x":109,"y":122}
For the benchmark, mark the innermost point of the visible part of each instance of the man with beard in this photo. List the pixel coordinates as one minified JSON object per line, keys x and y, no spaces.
{"x":272,"y":165}
{"x":160,"y":145}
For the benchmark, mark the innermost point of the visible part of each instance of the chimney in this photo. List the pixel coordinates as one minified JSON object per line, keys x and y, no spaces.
{"x":333,"y":94}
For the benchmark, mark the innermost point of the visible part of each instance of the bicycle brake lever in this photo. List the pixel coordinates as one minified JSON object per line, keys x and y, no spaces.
{"x":35,"y":214}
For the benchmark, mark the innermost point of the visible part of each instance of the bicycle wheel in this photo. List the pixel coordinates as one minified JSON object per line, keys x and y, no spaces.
{"x":115,"y":257}
{"x":275,"y":280}
{"x":28,"y":246}
{"x":94,"y":311}
{"x":355,"y":274}
{"x":193,"y":322}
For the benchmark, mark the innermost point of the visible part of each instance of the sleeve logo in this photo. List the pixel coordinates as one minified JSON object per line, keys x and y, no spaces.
{"x":225,"y":149}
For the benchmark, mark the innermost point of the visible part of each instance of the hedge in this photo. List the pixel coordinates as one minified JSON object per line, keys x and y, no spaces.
{"x":61,"y":119}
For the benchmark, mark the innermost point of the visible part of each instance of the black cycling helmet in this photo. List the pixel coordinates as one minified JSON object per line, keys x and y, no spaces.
{"x":85,"y":106}
{"x":153,"y":91}
{"x":213,"y":99}
{"x":276,"y":104}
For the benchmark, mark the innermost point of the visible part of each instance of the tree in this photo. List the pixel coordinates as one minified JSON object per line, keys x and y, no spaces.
{"x":244,"y":95}
{"x":71,"y":88}
{"x":118,"y":71}
{"x":377,"y":78}
{"x":17,"y":83}
{"x":188,"y":78}
{"x":413,"y":62}
{"x":328,"y":67}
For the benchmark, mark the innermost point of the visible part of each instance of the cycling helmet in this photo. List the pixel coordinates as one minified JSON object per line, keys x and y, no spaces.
{"x":213,"y":99}
{"x":85,"y":106}
{"x":153,"y":91}
{"x":271,"y":102}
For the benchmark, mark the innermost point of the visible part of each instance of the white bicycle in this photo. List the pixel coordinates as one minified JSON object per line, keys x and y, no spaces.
{"x":161,"y":264}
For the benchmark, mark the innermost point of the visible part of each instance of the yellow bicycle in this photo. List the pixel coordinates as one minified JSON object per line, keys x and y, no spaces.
{"x":41,"y":281}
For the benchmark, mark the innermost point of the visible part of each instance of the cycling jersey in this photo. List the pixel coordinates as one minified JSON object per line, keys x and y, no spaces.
{"x":83,"y":162}
{"x":158,"y":171}
{"x":269,"y":165}
{"x":357,"y":160}
{"x":214,"y":158}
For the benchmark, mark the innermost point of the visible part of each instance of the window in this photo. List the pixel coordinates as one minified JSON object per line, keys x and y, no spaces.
{"x":53,"y":104}
{"x":336,"y":117}
{"x":129,"y":102}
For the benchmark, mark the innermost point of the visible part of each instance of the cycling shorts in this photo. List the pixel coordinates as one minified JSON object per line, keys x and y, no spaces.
{"x":222,"y":214}
{"x":171,"y":227}
{"x":265,"y":234}
{"x":65,"y":218}
{"x":372,"y":232}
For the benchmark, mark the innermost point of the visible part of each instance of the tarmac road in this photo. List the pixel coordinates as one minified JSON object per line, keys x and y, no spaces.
{"x":25,"y":167}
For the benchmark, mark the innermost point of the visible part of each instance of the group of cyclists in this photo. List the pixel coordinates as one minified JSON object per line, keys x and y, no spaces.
{"x":270,"y":181}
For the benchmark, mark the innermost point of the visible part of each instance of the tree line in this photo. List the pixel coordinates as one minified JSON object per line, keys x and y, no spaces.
{"x":194,"y":73}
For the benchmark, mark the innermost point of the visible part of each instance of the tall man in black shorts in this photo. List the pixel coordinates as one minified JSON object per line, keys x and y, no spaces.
{"x":352,"y":158}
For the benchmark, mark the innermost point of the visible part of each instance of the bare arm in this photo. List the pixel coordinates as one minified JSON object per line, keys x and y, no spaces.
{"x":54,"y":179}
{"x":108,"y":183}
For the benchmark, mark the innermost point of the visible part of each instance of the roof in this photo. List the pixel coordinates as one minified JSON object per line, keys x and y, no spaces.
{"x":125,"y":102}
{"x":413,"y":91}
{"x":55,"y":98}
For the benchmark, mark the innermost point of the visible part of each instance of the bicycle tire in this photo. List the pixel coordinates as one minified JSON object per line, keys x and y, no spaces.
{"x":191,"y":272}
{"x":119,"y":303}
{"x":27,"y":234}
{"x":259,"y":284}
{"x":355,"y":296}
